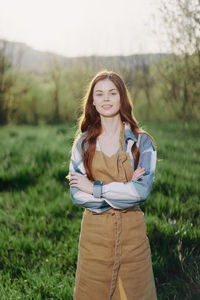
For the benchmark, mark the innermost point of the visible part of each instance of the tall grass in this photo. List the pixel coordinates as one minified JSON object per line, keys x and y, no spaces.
{"x":39,"y":225}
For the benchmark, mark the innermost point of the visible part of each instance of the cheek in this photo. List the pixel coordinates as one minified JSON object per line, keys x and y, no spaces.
{"x":118,"y":103}
{"x":96,"y":101}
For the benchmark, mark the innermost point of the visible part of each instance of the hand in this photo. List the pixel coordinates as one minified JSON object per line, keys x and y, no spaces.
{"x":81,"y":182}
{"x":138,"y":173}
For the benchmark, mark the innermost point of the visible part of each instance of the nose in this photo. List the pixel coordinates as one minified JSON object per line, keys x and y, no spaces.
{"x":106,"y":98}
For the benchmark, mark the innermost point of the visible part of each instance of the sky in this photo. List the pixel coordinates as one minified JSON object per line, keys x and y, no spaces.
{"x":84,"y":27}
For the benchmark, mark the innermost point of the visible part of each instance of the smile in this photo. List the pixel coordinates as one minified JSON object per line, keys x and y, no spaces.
{"x":106,"y":106}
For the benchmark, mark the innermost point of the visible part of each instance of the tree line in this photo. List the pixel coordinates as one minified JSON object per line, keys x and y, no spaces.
{"x":168,"y":88}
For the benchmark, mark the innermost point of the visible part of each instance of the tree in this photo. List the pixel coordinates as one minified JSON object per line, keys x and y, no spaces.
{"x":145,"y":81}
{"x":55,"y":71}
{"x":180,"y":74}
{"x":6,"y":82}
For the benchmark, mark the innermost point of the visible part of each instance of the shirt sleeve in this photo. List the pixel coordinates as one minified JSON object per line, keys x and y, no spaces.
{"x":79,"y":197}
{"x":121,"y":195}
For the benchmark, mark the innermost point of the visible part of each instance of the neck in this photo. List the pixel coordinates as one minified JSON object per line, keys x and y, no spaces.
{"x":111,"y":125}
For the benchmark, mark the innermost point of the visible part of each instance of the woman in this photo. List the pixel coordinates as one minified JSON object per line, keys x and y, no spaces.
{"x":111,"y":172}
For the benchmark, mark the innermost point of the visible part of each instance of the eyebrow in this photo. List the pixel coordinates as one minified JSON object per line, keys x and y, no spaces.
{"x":102,"y":91}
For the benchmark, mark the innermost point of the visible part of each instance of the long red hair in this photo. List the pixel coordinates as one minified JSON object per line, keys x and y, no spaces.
{"x":90,"y":120}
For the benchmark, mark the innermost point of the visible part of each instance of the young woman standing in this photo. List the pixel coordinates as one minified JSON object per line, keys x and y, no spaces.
{"x":111,"y":172}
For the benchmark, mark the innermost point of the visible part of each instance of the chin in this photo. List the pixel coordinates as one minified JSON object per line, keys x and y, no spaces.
{"x":109,"y":114}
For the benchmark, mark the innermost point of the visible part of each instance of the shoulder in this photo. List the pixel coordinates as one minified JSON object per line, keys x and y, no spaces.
{"x":78,"y":140}
{"x":76,"y":147}
{"x":145,"y":142}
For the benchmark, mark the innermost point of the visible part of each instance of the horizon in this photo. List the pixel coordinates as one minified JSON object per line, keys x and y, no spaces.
{"x":89,"y":55}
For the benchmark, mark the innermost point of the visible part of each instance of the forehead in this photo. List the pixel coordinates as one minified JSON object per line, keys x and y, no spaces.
{"x":105,"y":84}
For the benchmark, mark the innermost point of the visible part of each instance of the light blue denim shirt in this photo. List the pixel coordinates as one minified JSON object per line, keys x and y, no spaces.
{"x":117,"y":195}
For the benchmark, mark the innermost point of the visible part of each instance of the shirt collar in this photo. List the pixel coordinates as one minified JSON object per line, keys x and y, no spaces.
{"x":128,"y":134}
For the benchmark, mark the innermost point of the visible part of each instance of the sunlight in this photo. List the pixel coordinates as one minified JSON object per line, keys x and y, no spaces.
{"x":80,"y":27}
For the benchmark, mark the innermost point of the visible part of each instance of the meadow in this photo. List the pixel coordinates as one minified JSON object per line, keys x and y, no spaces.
{"x":39,"y":224}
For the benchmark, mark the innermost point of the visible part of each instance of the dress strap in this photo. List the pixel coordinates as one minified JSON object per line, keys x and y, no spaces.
{"x":121,"y":137}
{"x":123,"y":159}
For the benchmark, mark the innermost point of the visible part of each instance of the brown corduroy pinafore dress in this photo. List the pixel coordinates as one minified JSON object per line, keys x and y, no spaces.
{"x":114,"y":260}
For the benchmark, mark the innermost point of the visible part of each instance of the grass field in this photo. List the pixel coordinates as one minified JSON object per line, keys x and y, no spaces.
{"x":39,"y":225}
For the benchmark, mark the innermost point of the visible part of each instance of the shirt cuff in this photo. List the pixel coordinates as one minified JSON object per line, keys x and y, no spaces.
{"x":97,"y":189}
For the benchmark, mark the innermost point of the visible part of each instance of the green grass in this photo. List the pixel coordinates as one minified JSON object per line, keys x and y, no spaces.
{"x":39,"y":225}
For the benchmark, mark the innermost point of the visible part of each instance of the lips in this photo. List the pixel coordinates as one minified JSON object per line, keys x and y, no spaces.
{"x":107,"y":106}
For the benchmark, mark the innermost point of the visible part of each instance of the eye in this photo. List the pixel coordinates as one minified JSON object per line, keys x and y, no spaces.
{"x":114,"y":93}
{"x":98,"y":94}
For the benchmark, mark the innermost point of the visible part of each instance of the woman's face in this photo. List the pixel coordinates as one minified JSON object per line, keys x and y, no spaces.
{"x":106,"y":98}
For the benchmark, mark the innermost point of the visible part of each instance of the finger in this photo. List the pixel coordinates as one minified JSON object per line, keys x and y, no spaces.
{"x":139,"y":176}
{"x":141,"y":173}
{"x":74,"y":177}
{"x":73,"y":180}
{"x":73,"y":173}
{"x":73,"y":183}
{"x":140,"y":169}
